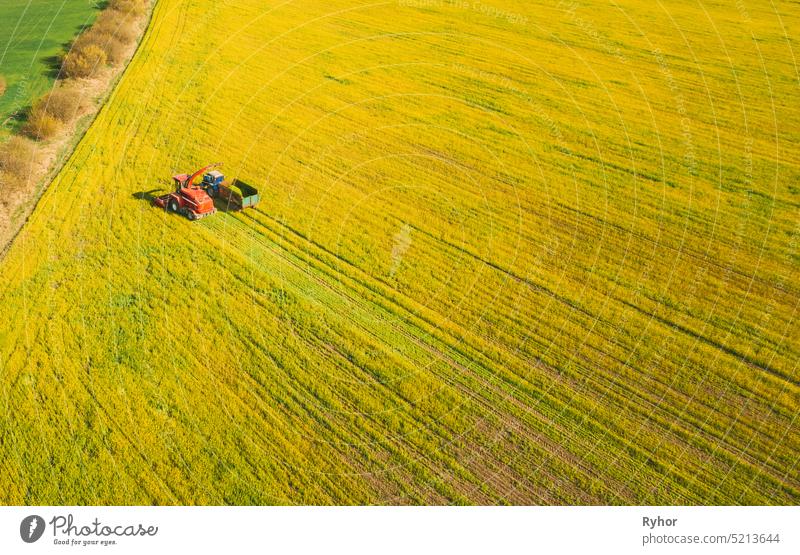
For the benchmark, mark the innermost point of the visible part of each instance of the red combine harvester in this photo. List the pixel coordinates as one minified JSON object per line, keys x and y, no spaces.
{"x":190,"y":200}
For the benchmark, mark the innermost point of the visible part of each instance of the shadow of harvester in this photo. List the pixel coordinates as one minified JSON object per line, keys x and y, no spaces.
{"x":147,"y":195}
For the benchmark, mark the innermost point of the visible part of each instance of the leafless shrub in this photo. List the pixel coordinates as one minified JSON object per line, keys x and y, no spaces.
{"x":117,"y":52}
{"x":16,"y":157}
{"x":136,"y":7}
{"x":119,"y":25}
{"x":62,"y":103}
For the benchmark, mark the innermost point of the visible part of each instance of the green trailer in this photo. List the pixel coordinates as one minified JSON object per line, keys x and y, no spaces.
{"x":238,"y":194}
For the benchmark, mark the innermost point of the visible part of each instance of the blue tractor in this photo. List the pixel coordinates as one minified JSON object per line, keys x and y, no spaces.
{"x":212,"y":181}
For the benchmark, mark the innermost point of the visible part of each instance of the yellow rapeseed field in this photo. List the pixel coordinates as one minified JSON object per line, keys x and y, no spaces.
{"x":506,"y":252}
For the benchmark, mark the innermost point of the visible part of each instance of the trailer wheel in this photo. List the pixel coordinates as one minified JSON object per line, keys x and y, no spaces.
{"x":173,"y":205}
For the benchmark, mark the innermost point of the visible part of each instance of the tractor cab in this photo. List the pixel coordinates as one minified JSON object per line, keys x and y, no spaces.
{"x":212,"y":181}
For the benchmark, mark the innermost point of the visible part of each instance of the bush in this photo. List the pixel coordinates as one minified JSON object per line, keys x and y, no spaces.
{"x":97,"y":38}
{"x":16,"y":157}
{"x":84,"y":40}
{"x":114,"y":29}
{"x":41,"y":125}
{"x":116,"y":24}
{"x":114,"y":48}
{"x":2,"y":85}
{"x":116,"y":51}
{"x":136,"y":7}
{"x":61,"y":103}
{"x":85,"y":60}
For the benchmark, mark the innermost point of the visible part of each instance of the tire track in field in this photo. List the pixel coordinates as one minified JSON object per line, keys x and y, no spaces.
{"x":408,"y":448}
{"x":348,"y":276}
{"x":355,"y":301}
{"x":301,"y":406}
{"x":338,"y":293}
